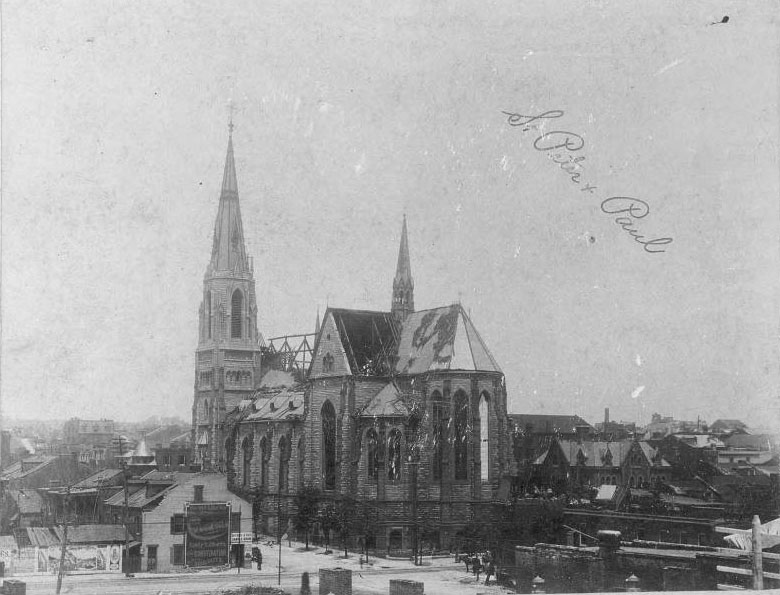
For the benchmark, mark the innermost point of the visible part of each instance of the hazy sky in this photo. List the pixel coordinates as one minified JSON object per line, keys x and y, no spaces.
{"x":349,"y":114}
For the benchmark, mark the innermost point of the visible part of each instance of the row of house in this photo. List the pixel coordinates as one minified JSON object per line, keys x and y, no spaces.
{"x":155,"y":519}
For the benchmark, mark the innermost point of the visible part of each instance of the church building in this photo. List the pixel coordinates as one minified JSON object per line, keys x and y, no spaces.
{"x":402,"y":411}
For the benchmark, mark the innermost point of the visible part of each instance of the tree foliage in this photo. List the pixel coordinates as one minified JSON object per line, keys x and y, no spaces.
{"x":307,"y":501}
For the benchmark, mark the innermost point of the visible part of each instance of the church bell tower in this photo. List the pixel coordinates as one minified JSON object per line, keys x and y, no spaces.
{"x":227,"y":364}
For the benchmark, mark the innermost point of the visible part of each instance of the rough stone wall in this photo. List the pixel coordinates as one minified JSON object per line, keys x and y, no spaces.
{"x":337,"y":581}
{"x":406,"y":587}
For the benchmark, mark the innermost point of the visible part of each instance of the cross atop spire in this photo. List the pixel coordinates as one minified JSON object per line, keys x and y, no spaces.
{"x":231,"y":109}
{"x":403,"y":284}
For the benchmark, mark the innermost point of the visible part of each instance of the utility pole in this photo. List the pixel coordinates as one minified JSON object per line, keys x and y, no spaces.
{"x":123,"y":464}
{"x":61,"y":570}
{"x":279,"y":535}
{"x":414,"y":464}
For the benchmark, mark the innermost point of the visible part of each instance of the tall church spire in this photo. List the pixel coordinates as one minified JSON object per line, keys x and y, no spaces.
{"x":228,"y":357}
{"x":228,"y":252}
{"x":403,"y":284}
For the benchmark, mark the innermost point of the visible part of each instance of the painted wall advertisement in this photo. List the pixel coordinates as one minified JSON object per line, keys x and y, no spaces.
{"x":207,"y":540}
{"x":46,"y":560}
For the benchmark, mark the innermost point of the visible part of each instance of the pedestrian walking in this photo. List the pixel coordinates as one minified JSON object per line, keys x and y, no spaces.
{"x":467,"y":559}
{"x":477,"y":567}
{"x":490,"y":570}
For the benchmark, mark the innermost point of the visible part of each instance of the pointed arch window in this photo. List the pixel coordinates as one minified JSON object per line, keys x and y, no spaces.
{"x":284,"y":463}
{"x":372,"y":454}
{"x":328,"y":416}
{"x":437,"y":436}
{"x":394,"y":455}
{"x":208,"y":315}
{"x":484,"y":437}
{"x":246,"y":449}
{"x":460,"y":439}
{"x":301,"y":461}
{"x":265,"y":455}
{"x":236,"y":314}
{"x":327,"y":363}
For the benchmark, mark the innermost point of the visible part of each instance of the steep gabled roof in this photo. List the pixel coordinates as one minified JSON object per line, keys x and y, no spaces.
{"x":34,"y":463}
{"x":595,"y":452}
{"x":442,"y":339}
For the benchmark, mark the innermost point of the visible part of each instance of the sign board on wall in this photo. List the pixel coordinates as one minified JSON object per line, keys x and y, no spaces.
{"x":207,"y":540}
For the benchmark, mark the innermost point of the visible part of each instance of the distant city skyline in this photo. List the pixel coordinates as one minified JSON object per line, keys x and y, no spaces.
{"x":347,"y":118}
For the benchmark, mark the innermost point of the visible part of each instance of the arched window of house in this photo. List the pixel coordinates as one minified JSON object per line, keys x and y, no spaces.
{"x":205,"y":413}
{"x":301,"y":461}
{"x":246,"y":448}
{"x":484,"y":437}
{"x":461,"y":437}
{"x":208,"y":314}
{"x":284,"y":463}
{"x":394,"y":455}
{"x":328,"y":416}
{"x":265,"y":454}
{"x":372,"y":454}
{"x":437,"y":436}
{"x":236,"y":314}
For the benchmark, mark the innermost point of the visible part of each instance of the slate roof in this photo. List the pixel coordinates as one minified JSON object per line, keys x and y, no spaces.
{"x":388,"y":402}
{"x":548,"y":424}
{"x":442,"y":339}
{"x":106,"y":477}
{"x":15,"y":471}
{"x":285,"y":404}
{"x":596,"y":452}
{"x":137,"y":499}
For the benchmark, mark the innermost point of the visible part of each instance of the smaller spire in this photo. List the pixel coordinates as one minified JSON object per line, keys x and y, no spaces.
{"x":403,"y":284}
{"x":317,"y":324}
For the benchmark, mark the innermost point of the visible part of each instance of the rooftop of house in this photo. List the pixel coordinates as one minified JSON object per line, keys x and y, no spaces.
{"x":26,"y":466}
{"x":106,"y":477}
{"x":548,"y":424}
{"x":93,"y":533}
